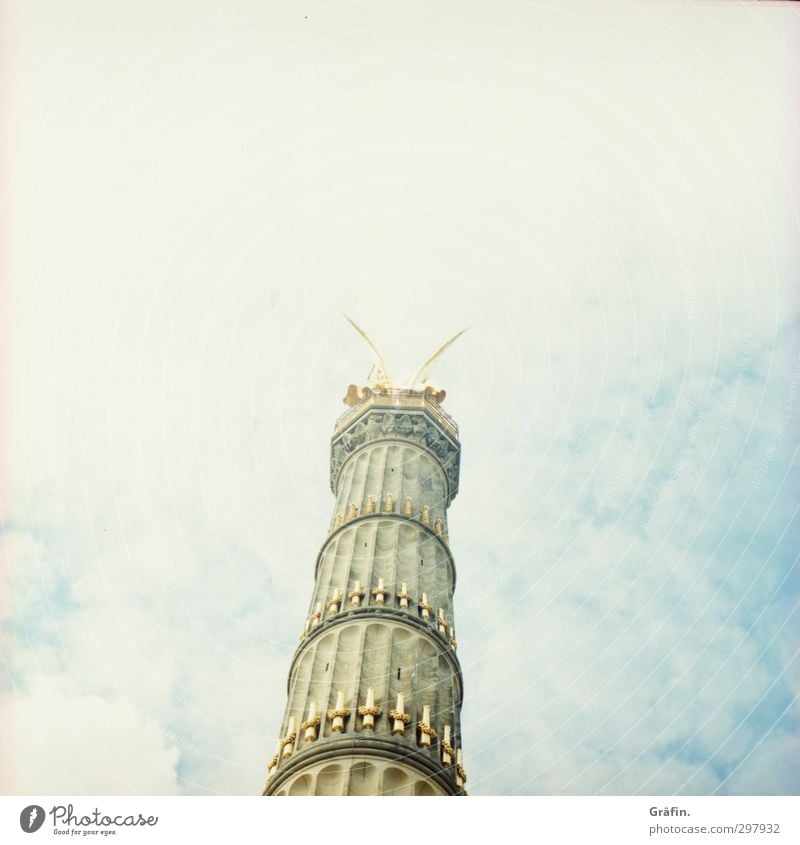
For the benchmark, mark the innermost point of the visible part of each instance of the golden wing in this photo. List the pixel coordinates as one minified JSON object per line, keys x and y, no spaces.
{"x":383,"y":373}
{"x":422,"y":375}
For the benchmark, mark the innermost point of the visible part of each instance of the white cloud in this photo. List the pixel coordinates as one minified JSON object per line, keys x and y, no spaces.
{"x":84,"y":744}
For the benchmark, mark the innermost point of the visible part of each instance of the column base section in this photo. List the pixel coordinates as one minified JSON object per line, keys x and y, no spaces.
{"x":349,"y":768}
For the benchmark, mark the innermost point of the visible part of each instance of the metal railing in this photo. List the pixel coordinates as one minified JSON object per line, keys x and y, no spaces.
{"x":395,"y":397}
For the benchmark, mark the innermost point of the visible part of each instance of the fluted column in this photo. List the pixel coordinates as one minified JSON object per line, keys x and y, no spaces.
{"x":375,"y":683}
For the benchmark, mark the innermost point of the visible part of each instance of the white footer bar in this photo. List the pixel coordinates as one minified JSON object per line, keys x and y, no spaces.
{"x":496,"y":821}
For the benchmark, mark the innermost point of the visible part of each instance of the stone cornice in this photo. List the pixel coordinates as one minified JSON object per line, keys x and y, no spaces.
{"x":362,"y":747}
{"x":417,"y":426}
{"x":397,"y":398}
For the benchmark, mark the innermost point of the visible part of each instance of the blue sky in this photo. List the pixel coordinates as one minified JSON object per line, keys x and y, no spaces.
{"x":606,"y":195}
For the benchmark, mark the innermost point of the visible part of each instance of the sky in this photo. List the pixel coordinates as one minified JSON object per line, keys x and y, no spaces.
{"x":606,"y":194}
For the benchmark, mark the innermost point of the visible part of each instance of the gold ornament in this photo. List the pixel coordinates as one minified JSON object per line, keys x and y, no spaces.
{"x":380,"y":592}
{"x":287,"y":743}
{"x":273,"y":763}
{"x":389,"y":506}
{"x":355,"y":395}
{"x":309,"y":727}
{"x":461,"y":775}
{"x":339,"y":713}
{"x":333,"y":604}
{"x":426,"y":732}
{"x":407,"y":511}
{"x":404,"y":597}
{"x":448,"y":752}
{"x":400,"y":717}
{"x":356,"y":595}
{"x":369,"y":711}
{"x":425,"y":608}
